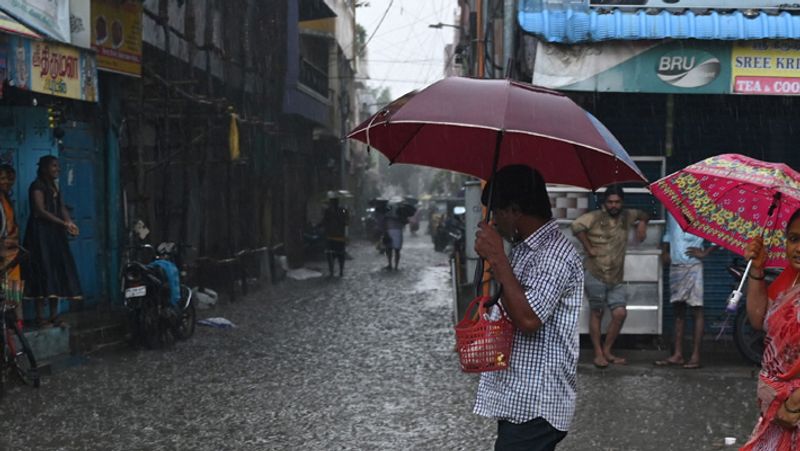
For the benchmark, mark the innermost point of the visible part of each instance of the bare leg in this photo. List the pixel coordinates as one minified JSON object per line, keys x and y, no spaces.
{"x":396,"y":258}
{"x":694,"y":360}
{"x":53,"y":308}
{"x":388,"y":258}
{"x":594,"y":333}
{"x":617,"y":320}
{"x":680,"y":320}
{"x":40,"y":312}
{"x":341,"y":264}
{"x":329,"y":255}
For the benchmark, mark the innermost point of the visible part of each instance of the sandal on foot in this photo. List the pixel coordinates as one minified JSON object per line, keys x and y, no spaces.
{"x":692,"y":366}
{"x":667,"y":362}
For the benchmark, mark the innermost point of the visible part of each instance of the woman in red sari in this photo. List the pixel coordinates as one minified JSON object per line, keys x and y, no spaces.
{"x":776,"y":310}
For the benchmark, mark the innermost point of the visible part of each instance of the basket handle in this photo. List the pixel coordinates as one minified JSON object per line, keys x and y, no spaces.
{"x":480,"y":304}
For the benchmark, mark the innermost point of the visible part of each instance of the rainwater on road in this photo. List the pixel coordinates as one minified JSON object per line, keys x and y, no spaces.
{"x":365,"y":362}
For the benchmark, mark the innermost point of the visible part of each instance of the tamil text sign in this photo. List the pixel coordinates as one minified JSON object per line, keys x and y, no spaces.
{"x":52,"y":68}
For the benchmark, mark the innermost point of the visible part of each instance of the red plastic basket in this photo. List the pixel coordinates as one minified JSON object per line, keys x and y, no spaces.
{"x":483,"y":345}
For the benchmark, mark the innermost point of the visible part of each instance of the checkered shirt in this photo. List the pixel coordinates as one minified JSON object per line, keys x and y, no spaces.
{"x":541,"y":378}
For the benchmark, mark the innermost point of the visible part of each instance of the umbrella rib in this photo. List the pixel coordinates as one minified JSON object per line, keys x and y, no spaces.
{"x":585,"y":170}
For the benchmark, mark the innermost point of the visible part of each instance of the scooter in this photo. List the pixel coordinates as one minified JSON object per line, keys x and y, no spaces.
{"x":749,"y":341}
{"x":160,"y":308}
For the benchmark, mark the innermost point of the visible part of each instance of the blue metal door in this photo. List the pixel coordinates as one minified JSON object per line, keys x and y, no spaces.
{"x":78,"y":183}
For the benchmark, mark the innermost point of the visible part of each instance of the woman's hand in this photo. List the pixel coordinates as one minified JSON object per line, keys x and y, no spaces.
{"x":755,"y":251}
{"x":72,"y":228}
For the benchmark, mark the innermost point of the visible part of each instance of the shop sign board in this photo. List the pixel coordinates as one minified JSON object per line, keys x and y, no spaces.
{"x":635,"y":66}
{"x":116,"y":28}
{"x":678,"y":67}
{"x":698,"y":4}
{"x":50,"y":17}
{"x":52,"y":68}
{"x":766,"y":67}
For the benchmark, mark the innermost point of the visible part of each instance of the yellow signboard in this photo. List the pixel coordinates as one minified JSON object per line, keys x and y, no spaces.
{"x":766,"y":67}
{"x":56,"y":70}
{"x":117,"y":35}
{"x":51,"y":68}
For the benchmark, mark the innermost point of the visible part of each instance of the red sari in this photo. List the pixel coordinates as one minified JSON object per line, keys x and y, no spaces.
{"x":780,"y":365}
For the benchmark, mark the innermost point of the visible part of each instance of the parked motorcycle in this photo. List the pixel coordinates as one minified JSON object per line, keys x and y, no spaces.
{"x":450,"y":232}
{"x":160,"y":308}
{"x":749,"y":341}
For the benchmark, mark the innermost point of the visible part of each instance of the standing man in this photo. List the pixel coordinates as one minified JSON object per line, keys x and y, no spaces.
{"x":604,"y":236}
{"x":335,"y":220}
{"x":683,"y":252}
{"x":533,"y":399}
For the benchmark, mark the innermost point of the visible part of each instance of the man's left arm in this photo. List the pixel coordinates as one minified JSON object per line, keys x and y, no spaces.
{"x":641,"y":226}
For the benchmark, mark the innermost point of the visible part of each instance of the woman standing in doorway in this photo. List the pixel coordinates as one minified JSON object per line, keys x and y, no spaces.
{"x":52,"y":268}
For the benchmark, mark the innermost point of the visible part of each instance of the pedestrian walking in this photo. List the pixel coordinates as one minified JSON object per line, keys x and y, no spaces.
{"x":776,"y":310}
{"x":683,"y":253}
{"x":335,"y":220}
{"x":393,"y":224}
{"x":51,"y":274}
{"x":604,"y":236}
{"x":533,"y":400}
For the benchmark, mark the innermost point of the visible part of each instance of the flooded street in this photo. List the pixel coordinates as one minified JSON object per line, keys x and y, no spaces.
{"x":360,"y":363}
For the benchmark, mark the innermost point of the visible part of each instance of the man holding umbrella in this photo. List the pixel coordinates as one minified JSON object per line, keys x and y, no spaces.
{"x":542,"y":290}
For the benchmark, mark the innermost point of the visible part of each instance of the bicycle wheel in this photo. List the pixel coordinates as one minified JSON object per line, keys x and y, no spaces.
{"x":24,"y":361}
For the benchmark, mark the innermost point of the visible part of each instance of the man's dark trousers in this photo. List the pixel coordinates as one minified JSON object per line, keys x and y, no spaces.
{"x":534,"y":435}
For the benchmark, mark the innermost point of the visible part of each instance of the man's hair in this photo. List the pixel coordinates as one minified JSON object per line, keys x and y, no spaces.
{"x":522,"y":187}
{"x":612,"y":190}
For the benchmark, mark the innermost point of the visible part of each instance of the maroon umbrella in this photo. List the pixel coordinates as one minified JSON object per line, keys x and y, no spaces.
{"x":477,"y":126}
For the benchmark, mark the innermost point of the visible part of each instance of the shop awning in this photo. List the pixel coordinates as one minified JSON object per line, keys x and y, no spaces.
{"x":10,"y":25}
{"x":592,"y":25}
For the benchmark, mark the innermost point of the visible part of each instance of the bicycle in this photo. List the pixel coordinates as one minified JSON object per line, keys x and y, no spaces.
{"x":17,"y":355}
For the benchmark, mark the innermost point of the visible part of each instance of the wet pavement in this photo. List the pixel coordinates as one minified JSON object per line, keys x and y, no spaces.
{"x":360,"y":363}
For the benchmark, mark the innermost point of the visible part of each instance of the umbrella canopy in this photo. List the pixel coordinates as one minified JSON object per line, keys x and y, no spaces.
{"x":477,"y":126}
{"x":728,"y":199}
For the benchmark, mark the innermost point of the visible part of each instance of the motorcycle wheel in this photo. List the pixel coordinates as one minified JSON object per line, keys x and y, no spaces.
{"x":150,"y":325}
{"x":749,"y":341}
{"x":187,"y":321}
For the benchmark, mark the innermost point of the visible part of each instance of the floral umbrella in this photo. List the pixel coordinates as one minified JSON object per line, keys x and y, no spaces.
{"x":729,"y":199}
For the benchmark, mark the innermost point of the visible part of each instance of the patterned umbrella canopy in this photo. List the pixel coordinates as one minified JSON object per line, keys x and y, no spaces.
{"x":728,"y":199}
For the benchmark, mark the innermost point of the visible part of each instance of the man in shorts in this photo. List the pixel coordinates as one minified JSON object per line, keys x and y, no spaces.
{"x":683,"y":252}
{"x":604,"y":236}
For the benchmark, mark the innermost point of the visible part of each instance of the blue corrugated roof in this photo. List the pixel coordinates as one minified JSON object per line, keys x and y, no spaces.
{"x":569,"y":26}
